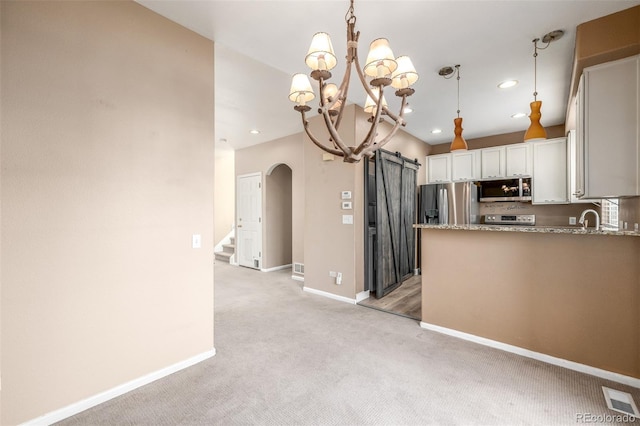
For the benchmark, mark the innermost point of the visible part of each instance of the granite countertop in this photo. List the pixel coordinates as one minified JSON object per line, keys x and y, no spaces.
{"x":536,"y":229}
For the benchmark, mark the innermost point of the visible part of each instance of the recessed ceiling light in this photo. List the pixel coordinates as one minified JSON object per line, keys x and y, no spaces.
{"x":519,"y":115}
{"x":254,"y":132}
{"x":507,"y":83}
{"x":436,"y":131}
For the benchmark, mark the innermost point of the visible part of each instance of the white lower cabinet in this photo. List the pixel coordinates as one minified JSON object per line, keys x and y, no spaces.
{"x":550,"y":184}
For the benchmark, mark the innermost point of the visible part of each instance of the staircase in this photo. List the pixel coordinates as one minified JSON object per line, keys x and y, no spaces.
{"x":227,"y":251}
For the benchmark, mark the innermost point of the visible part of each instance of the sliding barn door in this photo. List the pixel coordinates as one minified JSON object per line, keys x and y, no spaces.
{"x":396,"y":188}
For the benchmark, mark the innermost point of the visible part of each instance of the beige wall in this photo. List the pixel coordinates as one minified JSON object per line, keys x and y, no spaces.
{"x":329,"y":244}
{"x":573,"y":297}
{"x":224,"y":196}
{"x":263,"y":158}
{"x":278,"y":214}
{"x":107,"y":171}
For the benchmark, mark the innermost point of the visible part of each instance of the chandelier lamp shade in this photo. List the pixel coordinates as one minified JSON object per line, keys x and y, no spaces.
{"x":381,"y":68}
{"x":535,"y":131}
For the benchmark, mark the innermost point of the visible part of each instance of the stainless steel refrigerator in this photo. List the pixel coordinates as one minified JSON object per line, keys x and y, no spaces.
{"x":449,"y":204}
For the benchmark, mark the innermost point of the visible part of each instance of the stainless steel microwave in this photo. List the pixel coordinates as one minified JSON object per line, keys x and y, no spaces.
{"x":516,"y":189}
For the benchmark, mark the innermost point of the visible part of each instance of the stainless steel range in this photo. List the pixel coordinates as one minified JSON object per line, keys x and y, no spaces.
{"x":510,"y":219}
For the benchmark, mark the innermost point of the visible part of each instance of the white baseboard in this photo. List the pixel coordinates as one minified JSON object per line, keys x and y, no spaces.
{"x":560,"y":362}
{"x":329,"y":295}
{"x":362,"y":296}
{"x":277,"y":268}
{"x":297,"y":277}
{"x":85,"y":404}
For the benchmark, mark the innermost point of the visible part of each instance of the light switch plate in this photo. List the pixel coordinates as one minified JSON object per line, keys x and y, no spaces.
{"x":346,"y":205}
{"x":347,"y":219}
{"x":346,"y":195}
{"x":196,"y":241}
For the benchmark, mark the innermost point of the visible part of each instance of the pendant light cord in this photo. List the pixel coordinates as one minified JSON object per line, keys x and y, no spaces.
{"x":535,"y":69}
{"x":458,"y":78}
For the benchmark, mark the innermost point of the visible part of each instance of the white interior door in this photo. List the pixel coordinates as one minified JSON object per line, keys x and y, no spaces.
{"x":249,"y":220}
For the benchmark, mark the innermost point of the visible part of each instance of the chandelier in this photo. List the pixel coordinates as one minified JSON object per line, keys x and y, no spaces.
{"x":382,"y":69}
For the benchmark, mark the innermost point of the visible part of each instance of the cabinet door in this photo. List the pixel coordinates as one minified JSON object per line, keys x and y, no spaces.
{"x":464,"y":166}
{"x":493,"y":162}
{"x":550,"y":172}
{"x":576,"y":147}
{"x":439,"y":168}
{"x":575,"y":168}
{"x":611,"y":128}
{"x":519,"y":160}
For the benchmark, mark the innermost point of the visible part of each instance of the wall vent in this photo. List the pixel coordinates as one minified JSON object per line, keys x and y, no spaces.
{"x":298,"y":268}
{"x":621,"y":402}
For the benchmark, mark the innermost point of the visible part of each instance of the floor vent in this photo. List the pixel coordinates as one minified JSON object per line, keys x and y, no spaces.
{"x":621,"y":402}
{"x":298,"y":268}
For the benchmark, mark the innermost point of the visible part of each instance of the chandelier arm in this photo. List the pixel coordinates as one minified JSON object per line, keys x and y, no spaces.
{"x":352,"y":49}
{"x":369,"y":149}
{"x":342,"y":94}
{"x":365,"y":147}
{"x":386,"y":110}
{"x":371,"y":135}
{"x":335,"y":137}
{"x":305,"y":125}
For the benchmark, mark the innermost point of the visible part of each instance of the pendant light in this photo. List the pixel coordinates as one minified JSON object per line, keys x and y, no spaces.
{"x":458,"y":143}
{"x":536,"y":131}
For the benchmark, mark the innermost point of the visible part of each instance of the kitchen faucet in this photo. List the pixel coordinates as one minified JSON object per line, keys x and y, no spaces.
{"x":581,"y":220}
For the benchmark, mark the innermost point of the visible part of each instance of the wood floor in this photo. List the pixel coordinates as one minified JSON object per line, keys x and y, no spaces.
{"x":405,"y":300}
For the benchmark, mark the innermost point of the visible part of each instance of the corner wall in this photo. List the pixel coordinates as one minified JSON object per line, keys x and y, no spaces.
{"x":107,"y":170}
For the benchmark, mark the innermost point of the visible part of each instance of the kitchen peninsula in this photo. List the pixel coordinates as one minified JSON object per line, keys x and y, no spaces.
{"x":559,"y":292}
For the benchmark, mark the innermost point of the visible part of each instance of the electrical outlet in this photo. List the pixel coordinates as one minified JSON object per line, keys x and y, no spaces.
{"x":339,"y":278}
{"x":572,"y":220}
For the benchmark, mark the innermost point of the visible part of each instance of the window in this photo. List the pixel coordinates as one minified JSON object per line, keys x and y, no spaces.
{"x":610,"y":213}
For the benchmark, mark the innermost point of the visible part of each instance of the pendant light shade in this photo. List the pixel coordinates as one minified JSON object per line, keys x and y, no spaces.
{"x":458,"y":143}
{"x":535,"y":131}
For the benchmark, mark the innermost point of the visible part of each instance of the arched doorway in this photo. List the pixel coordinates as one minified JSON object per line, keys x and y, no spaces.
{"x":278,"y":218}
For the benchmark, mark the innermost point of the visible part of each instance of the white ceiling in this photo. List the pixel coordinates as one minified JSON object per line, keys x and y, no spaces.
{"x":261,"y":43}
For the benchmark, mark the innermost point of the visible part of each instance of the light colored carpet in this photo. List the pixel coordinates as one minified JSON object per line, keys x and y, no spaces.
{"x":288,"y":357}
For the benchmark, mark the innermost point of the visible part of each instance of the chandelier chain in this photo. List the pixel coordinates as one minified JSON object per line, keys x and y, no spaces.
{"x":350,"y":17}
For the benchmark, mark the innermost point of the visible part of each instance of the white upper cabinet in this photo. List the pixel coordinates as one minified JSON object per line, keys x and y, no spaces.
{"x":493,"y":162}
{"x":519,"y":160}
{"x":439,"y":168}
{"x":465,"y":166}
{"x":549,"y":179}
{"x":608,"y":130}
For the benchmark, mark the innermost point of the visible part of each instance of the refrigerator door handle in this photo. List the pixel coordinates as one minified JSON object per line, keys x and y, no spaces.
{"x":443,"y":206}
